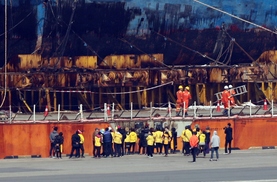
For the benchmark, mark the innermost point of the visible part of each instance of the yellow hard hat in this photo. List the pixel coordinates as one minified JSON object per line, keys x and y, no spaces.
{"x":180,"y":87}
{"x":187,"y":88}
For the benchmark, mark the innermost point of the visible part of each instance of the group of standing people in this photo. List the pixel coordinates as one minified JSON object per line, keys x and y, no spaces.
{"x":56,"y":144}
{"x":123,"y":141}
{"x":228,"y":98}
{"x":183,"y":99}
{"x":196,"y":141}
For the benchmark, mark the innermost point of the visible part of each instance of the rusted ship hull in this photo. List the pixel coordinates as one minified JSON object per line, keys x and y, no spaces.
{"x":131,"y":27}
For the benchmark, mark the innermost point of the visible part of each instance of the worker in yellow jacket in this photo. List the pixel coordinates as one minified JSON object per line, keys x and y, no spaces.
{"x":159,"y":140}
{"x":82,"y":140}
{"x":127,"y":142}
{"x":186,"y":134}
{"x":117,"y":143}
{"x":98,"y":139}
{"x":133,"y":140}
{"x":150,"y":144}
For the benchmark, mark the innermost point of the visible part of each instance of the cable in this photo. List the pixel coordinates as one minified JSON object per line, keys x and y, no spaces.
{"x":197,"y":52}
{"x":17,"y":24}
{"x":151,"y":56}
{"x":266,"y":29}
{"x":151,"y":88}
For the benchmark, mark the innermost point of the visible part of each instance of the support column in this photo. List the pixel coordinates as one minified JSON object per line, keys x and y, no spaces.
{"x":62,"y":101}
{"x":130,"y":96}
{"x":69,"y":99}
{"x":32,"y":96}
{"x":48,"y":99}
{"x":10,"y":98}
{"x":55,"y":101}
{"x":144,"y":97}
{"x":248,"y":93}
{"x":153,"y":97}
{"x":39,"y":100}
{"x":139,"y":98}
{"x":160,"y":96}
{"x":123,"y":98}
{"x":100,"y":97}
{"x":197,"y":94}
{"x":92,"y":100}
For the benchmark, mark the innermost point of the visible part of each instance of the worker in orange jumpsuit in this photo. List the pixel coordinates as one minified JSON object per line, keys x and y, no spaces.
{"x":226,"y":100}
{"x":186,"y":99}
{"x":232,"y":97}
{"x":179,"y":102}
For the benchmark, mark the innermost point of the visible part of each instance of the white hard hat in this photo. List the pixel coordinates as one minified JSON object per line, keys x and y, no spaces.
{"x":225,"y":87}
{"x":230,"y":86}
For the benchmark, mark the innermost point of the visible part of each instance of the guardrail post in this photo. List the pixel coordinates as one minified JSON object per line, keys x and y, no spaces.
{"x":184,"y":110}
{"x":113,"y":111}
{"x":194,"y":110}
{"x":150,"y":110}
{"x":272,"y":106}
{"x":131,"y":111}
{"x":229,"y":111}
{"x":211,"y":110}
{"x":34,"y":113}
{"x":105,"y":112}
{"x":250,"y":109}
{"x":81,"y":112}
{"x":169,"y":109}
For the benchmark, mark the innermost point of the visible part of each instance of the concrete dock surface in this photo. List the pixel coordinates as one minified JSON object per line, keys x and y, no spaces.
{"x":242,"y":165}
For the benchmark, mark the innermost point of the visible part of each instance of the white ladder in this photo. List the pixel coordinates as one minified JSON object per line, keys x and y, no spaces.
{"x":239,"y":91}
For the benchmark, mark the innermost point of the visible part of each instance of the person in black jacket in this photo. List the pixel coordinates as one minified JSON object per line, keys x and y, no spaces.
{"x":207,"y":139}
{"x":174,"y":139}
{"x":228,"y":137}
{"x":123,"y":132}
{"x":59,"y":145}
{"x":75,"y":139}
{"x":142,"y":141}
{"x":107,"y":141}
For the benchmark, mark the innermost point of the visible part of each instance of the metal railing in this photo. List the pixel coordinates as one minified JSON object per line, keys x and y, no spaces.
{"x":167,"y":111}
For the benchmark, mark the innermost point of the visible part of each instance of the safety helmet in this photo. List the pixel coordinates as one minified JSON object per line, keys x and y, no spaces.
{"x":226,"y":87}
{"x":230,"y":86}
{"x":187,"y":88}
{"x":180,"y":87}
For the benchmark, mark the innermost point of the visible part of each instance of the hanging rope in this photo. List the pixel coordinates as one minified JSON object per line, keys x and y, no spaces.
{"x":151,"y":56}
{"x":186,"y":47}
{"x":246,"y":21}
{"x":151,"y":88}
{"x":6,"y":52}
